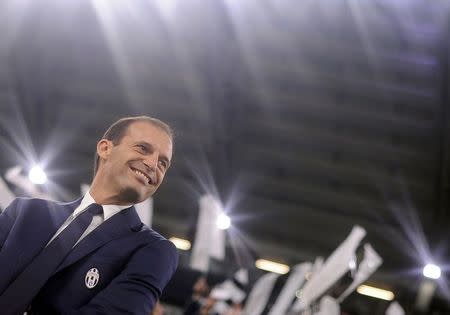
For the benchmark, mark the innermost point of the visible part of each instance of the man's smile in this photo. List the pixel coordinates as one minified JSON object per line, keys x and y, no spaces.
{"x":145,"y":178}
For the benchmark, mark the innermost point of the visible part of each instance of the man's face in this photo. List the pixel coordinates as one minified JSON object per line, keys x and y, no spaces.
{"x":134,"y":168}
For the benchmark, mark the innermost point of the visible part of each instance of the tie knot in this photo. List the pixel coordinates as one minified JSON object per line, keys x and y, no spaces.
{"x":95,"y":209}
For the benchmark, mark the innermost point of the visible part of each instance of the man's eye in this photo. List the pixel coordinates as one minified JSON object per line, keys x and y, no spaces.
{"x":163,"y":163}
{"x":142,"y":147}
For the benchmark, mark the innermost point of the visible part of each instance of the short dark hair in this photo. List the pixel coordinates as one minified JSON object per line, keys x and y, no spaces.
{"x":117,"y":131}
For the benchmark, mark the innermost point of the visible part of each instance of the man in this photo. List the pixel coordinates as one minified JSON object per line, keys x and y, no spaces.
{"x":107,"y":262}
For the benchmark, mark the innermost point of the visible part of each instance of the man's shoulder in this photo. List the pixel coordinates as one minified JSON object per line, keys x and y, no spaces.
{"x":151,"y":234}
{"x":154,"y":239}
{"x":156,"y":245}
{"x":24,"y":203}
{"x":38,"y":201}
{"x":25,"y":207}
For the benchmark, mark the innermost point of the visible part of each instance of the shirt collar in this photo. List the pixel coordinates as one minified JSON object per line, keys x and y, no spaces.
{"x":108,"y":210}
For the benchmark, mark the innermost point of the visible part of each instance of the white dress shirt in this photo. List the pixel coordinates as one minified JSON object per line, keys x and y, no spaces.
{"x":108,"y":212}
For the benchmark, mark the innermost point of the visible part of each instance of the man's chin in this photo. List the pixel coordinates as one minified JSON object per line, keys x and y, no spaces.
{"x":130,"y":195}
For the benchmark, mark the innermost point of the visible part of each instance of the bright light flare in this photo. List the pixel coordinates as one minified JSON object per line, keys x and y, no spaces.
{"x":37,"y":175}
{"x":223,"y":221}
{"x":180,"y":243}
{"x":167,"y":7}
{"x":375,"y":292}
{"x":272,"y":266}
{"x":432,"y":271}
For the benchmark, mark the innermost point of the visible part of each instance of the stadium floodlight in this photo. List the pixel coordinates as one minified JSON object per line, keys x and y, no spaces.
{"x":432,"y":271}
{"x":375,"y":292}
{"x":37,"y":175}
{"x":223,"y":221}
{"x":272,"y":266}
{"x":180,"y":243}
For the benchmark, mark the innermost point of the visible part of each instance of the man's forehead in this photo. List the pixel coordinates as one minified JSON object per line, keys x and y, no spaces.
{"x":154,"y":135}
{"x":146,"y":129}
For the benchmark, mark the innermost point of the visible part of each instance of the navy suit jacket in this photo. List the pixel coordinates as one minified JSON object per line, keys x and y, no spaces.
{"x":134,"y":263}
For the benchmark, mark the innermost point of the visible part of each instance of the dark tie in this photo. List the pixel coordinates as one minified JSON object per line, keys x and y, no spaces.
{"x":18,"y":295}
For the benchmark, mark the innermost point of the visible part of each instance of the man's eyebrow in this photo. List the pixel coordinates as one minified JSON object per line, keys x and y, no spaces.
{"x":147,"y":145}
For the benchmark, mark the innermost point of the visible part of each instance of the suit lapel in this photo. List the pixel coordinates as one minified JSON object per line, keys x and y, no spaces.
{"x":48,"y":216}
{"x":119,"y":225}
{"x":59,"y":214}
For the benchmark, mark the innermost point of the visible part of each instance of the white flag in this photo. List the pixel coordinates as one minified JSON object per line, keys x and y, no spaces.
{"x":332,"y":270}
{"x":395,"y":309}
{"x":367,"y":267}
{"x":209,"y":239}
{"x":6,"y":195}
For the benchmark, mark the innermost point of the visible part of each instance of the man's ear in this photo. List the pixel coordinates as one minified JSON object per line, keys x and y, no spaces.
{"x":104,"y":147}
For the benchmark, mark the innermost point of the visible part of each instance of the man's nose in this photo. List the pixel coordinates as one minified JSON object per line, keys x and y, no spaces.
{"x":151,"y":161}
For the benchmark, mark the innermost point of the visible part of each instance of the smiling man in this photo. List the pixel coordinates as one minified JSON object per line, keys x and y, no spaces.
{"x":131,"y":162}
{"x":93,"y":255}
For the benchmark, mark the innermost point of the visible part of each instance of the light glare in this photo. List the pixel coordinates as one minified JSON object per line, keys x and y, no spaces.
{"x":37,"y":175}
{"x":375,"y":292}
{"x":180,"y":243}
{"x":272,"y":266}
{"x":432,"y":271}
{"x":223,"y":221}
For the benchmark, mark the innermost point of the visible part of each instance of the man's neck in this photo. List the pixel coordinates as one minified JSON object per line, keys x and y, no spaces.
{"x":103,"y":197}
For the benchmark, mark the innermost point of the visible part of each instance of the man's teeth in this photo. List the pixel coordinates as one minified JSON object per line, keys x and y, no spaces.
{"x":142,"y":175}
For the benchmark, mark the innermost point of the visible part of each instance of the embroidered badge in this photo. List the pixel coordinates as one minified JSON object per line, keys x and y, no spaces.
{"x":92,"y":277}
